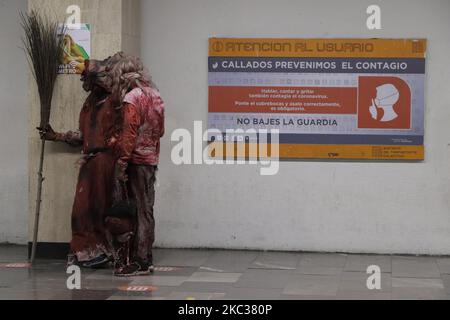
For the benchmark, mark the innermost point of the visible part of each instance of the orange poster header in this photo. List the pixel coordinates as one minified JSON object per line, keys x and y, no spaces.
{"x":317,"y":48}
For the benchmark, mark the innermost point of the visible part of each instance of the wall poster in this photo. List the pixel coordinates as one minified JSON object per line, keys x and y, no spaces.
{"x":77,"y":49}
{"x":329,"y":98}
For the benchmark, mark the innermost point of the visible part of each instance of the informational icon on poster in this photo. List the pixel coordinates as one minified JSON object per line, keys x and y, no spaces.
{"x":77,"y":49}
{"x":329,"y":98}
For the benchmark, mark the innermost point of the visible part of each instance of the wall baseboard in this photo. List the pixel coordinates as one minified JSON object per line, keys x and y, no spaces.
{"x":49,"y":250}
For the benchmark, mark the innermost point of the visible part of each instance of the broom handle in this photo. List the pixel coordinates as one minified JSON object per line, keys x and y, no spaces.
{"x":38,"y":202}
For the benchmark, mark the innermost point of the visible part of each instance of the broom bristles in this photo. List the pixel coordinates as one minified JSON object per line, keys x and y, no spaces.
{"x":43,"y":44}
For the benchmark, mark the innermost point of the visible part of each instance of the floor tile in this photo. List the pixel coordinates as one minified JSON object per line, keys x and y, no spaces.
{"x":182,"y":258}
{"x":443,"y":265}
{"x":160,"y":291}
{"x":362,"y":262}
{"x":12,"y":253}
{"x":415,"y":267}
{"x":176,"y":271}
{"x":265,"y":279}
{"x":322,"y":260}
{"x":104,"y":279}
{"x":105,"y":284}
{"x":190,"y":286}
{"x":13,"y":294}
{"x":9,"y":277}
{"x":83,"y":295}
{"x":418,"y":294}
{"x":276,"y":260}
{"x":417,"y":283}
{"x":446,"y":281}
{"x":48,"y":264}
{"x":215,"y":277}
{"x":36,"y":284}
{"x":227,"y":274}
{"x":357,"y":282}
{"x":313,"y":285}
{"x":168,"y":281}
{"x":229,"y":261}
{"x":317,"y":270}
{"x":371,"y":295}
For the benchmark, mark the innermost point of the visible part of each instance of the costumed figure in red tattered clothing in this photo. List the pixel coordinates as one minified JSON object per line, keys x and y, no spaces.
{"x":99,"y":124}
{"x":138,"y":152}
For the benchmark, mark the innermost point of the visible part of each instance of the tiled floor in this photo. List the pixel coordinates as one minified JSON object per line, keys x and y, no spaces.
{"x":219,"y":274}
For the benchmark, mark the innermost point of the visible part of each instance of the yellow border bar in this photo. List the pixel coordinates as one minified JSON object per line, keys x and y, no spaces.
{"x":317,"y":48}
{"x":320,"y":151}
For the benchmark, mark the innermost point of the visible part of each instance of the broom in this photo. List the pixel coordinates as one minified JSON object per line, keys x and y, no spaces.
{"x":43,"y":45}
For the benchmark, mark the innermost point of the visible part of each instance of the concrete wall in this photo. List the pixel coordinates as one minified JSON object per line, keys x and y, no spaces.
{"x":60,"y":171}
{"x":322,"y":206}
{"x":13,"y":124}
{"x":131,"y":26}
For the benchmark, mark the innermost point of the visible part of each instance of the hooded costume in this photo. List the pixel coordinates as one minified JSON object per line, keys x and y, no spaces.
{"x":99,"y":123}
{"x":138,"y":154}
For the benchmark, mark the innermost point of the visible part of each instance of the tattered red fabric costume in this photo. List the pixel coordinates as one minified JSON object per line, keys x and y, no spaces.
{"x":96,"y":180}
{"x":99,"y":124}
{"x":139,"y":148}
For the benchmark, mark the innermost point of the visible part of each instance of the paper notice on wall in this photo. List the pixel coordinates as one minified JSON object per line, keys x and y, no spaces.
{"x":77,"y":49}
{"x":329,"y":98}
